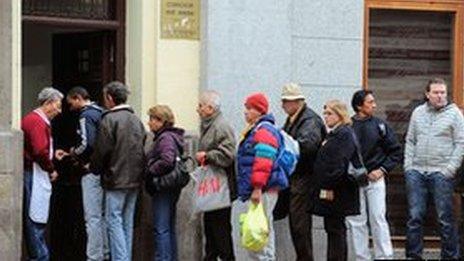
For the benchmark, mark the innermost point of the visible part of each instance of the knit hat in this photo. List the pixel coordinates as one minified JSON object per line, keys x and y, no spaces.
{"x":258,"y":101}
{"x":292,"y":92}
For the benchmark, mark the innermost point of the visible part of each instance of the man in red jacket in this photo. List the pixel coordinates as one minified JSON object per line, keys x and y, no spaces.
{"x":39,"y":170}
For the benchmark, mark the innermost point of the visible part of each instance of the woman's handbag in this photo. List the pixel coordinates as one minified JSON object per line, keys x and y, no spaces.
{"x":356,"y":170}
{"x":176,"y":179}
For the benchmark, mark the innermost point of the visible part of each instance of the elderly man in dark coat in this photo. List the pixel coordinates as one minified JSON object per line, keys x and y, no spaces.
{"x":305,"y":126}
{"x":217,"y":148}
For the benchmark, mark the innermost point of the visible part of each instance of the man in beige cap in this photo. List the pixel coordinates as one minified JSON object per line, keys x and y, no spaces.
{"x":306,"y":127}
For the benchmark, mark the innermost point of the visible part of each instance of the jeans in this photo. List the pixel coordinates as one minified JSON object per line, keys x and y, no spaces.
{"x":419,"y":186}
{"x":34,"y":233}
{"x":95,"y":225}
{"x":164,"y":225}
{"x":372,"y":199}
{"x":120,"y":210}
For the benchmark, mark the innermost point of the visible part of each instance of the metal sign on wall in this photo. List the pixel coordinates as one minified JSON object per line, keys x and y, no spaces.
{"x":180,"y":19}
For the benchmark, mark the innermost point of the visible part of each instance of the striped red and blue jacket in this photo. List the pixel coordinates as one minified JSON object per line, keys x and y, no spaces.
{"x":256,"y":157}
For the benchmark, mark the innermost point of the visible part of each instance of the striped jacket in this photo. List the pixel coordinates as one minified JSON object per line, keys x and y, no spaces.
{"x":255,"y":159}
{"x":89,"y":121}
{"x":435,"y":140}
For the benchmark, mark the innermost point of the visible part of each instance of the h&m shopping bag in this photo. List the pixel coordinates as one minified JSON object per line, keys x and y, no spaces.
{"x":211,"y":188}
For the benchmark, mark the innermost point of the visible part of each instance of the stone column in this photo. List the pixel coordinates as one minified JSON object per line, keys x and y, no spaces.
{"x":10,"y":136}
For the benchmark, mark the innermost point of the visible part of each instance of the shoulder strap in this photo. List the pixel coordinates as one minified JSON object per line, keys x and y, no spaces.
{"x":259,"y":125}
{"x":357,"y":147}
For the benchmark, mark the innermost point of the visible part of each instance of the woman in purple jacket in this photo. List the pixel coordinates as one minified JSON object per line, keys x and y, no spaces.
{"x":167,"y":145}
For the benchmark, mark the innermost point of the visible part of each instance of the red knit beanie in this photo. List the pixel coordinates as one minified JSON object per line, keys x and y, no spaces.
{"x":258,"y":101}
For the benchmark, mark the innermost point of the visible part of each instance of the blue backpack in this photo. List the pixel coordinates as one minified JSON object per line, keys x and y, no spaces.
{"x":289,"y":153}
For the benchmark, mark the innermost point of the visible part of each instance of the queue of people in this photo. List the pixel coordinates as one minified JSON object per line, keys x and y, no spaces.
{"x":111,"y":150}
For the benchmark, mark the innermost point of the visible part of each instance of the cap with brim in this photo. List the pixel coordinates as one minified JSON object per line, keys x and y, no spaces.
{"x":292,"y":92}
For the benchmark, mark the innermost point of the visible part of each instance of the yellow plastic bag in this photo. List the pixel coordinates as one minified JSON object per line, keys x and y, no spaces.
{"x":254,"y":228}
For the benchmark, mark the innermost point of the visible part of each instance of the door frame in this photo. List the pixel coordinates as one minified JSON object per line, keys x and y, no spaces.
{"x":456,"y":7}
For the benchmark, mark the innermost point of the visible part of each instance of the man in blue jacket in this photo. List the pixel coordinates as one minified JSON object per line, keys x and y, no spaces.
{"x":92,"y":193}
{"x":381,"y":153}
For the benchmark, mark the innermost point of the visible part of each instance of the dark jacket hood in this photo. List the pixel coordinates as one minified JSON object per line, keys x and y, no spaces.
{"x":176,"y":133}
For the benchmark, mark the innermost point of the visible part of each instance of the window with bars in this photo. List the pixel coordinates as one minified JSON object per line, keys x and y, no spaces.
{"x":84,"y":9}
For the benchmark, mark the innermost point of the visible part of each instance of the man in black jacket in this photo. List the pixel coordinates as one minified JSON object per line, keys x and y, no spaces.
{"x":119,"y":158}
{"x":306,"y":127}
{"x":381,"y":153}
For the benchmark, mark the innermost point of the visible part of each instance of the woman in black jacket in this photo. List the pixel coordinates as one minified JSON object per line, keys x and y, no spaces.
{"x":336,"y":194}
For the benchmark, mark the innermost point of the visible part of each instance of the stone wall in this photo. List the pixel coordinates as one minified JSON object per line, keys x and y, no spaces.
{"x":253,"y":45}
{"x":10,"y":138}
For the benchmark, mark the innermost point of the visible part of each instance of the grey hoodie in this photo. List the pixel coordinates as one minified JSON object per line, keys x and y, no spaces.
{"x":435,"y":140}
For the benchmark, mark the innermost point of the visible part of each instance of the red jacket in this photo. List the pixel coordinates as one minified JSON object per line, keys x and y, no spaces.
{"x":37,"y":137}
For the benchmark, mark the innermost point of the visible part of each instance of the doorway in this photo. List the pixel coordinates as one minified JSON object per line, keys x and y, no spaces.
{"x":79,"y":59}
{"x":406,"y":44}
{"x":64,"y":58}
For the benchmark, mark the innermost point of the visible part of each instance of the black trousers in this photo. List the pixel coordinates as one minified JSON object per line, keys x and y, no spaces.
{"x":300,"y":226}
{"x":218,"y":234}
{"x":336,"y":238}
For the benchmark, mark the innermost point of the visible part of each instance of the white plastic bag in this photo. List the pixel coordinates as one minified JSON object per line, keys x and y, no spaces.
{"x":211,"y":188}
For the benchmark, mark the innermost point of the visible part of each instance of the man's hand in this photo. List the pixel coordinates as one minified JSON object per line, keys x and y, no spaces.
{"x":375,"y":175}
{"x":201,"y":157}
{"x":60,"y":154}
{"x":53,"y":176}
{"x":256,"y":195}
{"x":327,"y":195}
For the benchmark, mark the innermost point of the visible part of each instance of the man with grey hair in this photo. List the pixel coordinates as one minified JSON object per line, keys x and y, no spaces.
{"x":39,"y":171}
{"x":217,"y":148}
{"x":119,"y":158}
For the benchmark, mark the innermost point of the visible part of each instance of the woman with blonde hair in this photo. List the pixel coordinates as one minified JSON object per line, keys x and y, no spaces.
{"x":168,"y":144}
{"x":336,"y":194}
